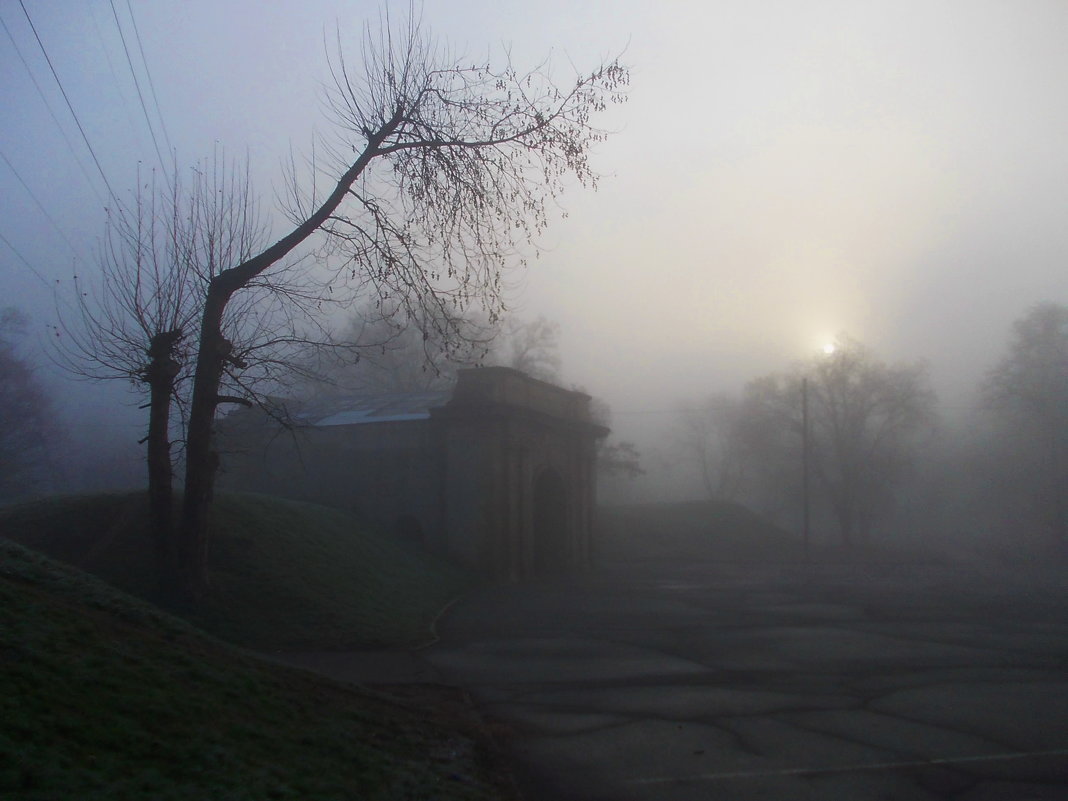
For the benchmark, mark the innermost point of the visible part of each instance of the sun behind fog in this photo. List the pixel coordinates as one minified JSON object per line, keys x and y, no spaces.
{"x":828,"y":349}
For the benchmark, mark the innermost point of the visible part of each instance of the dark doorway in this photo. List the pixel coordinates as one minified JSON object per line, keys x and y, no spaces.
{"x":550,"y":522}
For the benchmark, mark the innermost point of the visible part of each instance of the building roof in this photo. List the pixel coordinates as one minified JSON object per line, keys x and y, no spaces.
{"x":347,"y":410}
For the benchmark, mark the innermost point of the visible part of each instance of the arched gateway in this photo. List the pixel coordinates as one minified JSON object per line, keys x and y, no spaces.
{"x":499,"y":473}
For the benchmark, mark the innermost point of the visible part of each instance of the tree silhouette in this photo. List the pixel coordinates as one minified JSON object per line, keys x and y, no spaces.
{"x":27,"y":422}
{"x":864,"y":418}
{"x":446,"y":171}
{"x":1029,"y":390}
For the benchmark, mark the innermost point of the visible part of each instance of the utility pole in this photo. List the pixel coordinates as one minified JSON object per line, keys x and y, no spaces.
{"x":804,"y":462}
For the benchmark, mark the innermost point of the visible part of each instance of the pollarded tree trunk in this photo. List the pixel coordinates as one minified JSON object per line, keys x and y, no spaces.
{"x":214,"y":352}
{"x":201,"y":458}
{"x":160,"y":374}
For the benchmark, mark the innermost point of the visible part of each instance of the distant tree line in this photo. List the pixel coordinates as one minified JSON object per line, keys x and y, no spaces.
{"x":858,"y":444}
{"x":28,"y":427}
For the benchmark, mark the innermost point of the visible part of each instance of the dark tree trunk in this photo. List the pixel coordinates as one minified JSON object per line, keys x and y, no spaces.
{"x":201,"y":459}
{"x":160,"y":375}
{"x":214,"y":352}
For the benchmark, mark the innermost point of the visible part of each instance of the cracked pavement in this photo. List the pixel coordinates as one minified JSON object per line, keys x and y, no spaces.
{"x":674,"y":681}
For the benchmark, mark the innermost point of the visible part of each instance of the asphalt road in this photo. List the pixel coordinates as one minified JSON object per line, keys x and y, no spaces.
{"x":670,"y":681}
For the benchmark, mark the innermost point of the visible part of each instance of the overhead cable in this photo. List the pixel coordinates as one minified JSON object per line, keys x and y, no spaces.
{"x":70,"y":106}
{"x":25,"y":261}
{"x":40,"y":205}
{"x":51,"y":113}
{"x":137,"y":86}
{"x":148,"y":74}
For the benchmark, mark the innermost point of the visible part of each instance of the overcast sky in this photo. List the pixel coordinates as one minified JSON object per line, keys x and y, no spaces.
{"x":783,"y":171}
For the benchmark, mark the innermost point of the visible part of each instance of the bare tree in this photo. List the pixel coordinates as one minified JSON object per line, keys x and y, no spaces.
{"x":134,"y":326}
{"x":444,"y":171}
{"x":864,"y":417}
{"x":27,"y":421}
{"x":713,"y":433}
{"x":136,"y":323}
{"x":532,"y":346}
{"x":1028,"y":390}
{"x":864,"y":420}
{"x":380,"y":350}
{"x":615,"y":458}
{"x":769,"y":426}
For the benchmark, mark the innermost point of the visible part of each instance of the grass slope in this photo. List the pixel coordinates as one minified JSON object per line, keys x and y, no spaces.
{"x":282,"y":574}
{"x":103,"y":697}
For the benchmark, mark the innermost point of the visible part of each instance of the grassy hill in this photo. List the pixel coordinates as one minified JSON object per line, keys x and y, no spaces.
{"x":282,"y":574}
{"x":104,"y":697}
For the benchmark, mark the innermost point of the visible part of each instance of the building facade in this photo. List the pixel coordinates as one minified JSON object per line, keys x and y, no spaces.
{"x":497,"y":474}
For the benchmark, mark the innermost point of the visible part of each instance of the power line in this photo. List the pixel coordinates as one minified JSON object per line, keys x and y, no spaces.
{"x":63,"y":91}
{"x":25,"y":261}
{"x":51,"y":113}
{"x":148,"y":74}
{"x":40,"y":205}
{"x":106,"y":50}
{"x":137,"y":86}
{"x":52,"y":285}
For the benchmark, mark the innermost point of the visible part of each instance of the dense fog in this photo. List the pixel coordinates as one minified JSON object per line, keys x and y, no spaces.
{"x":797,"y":204}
